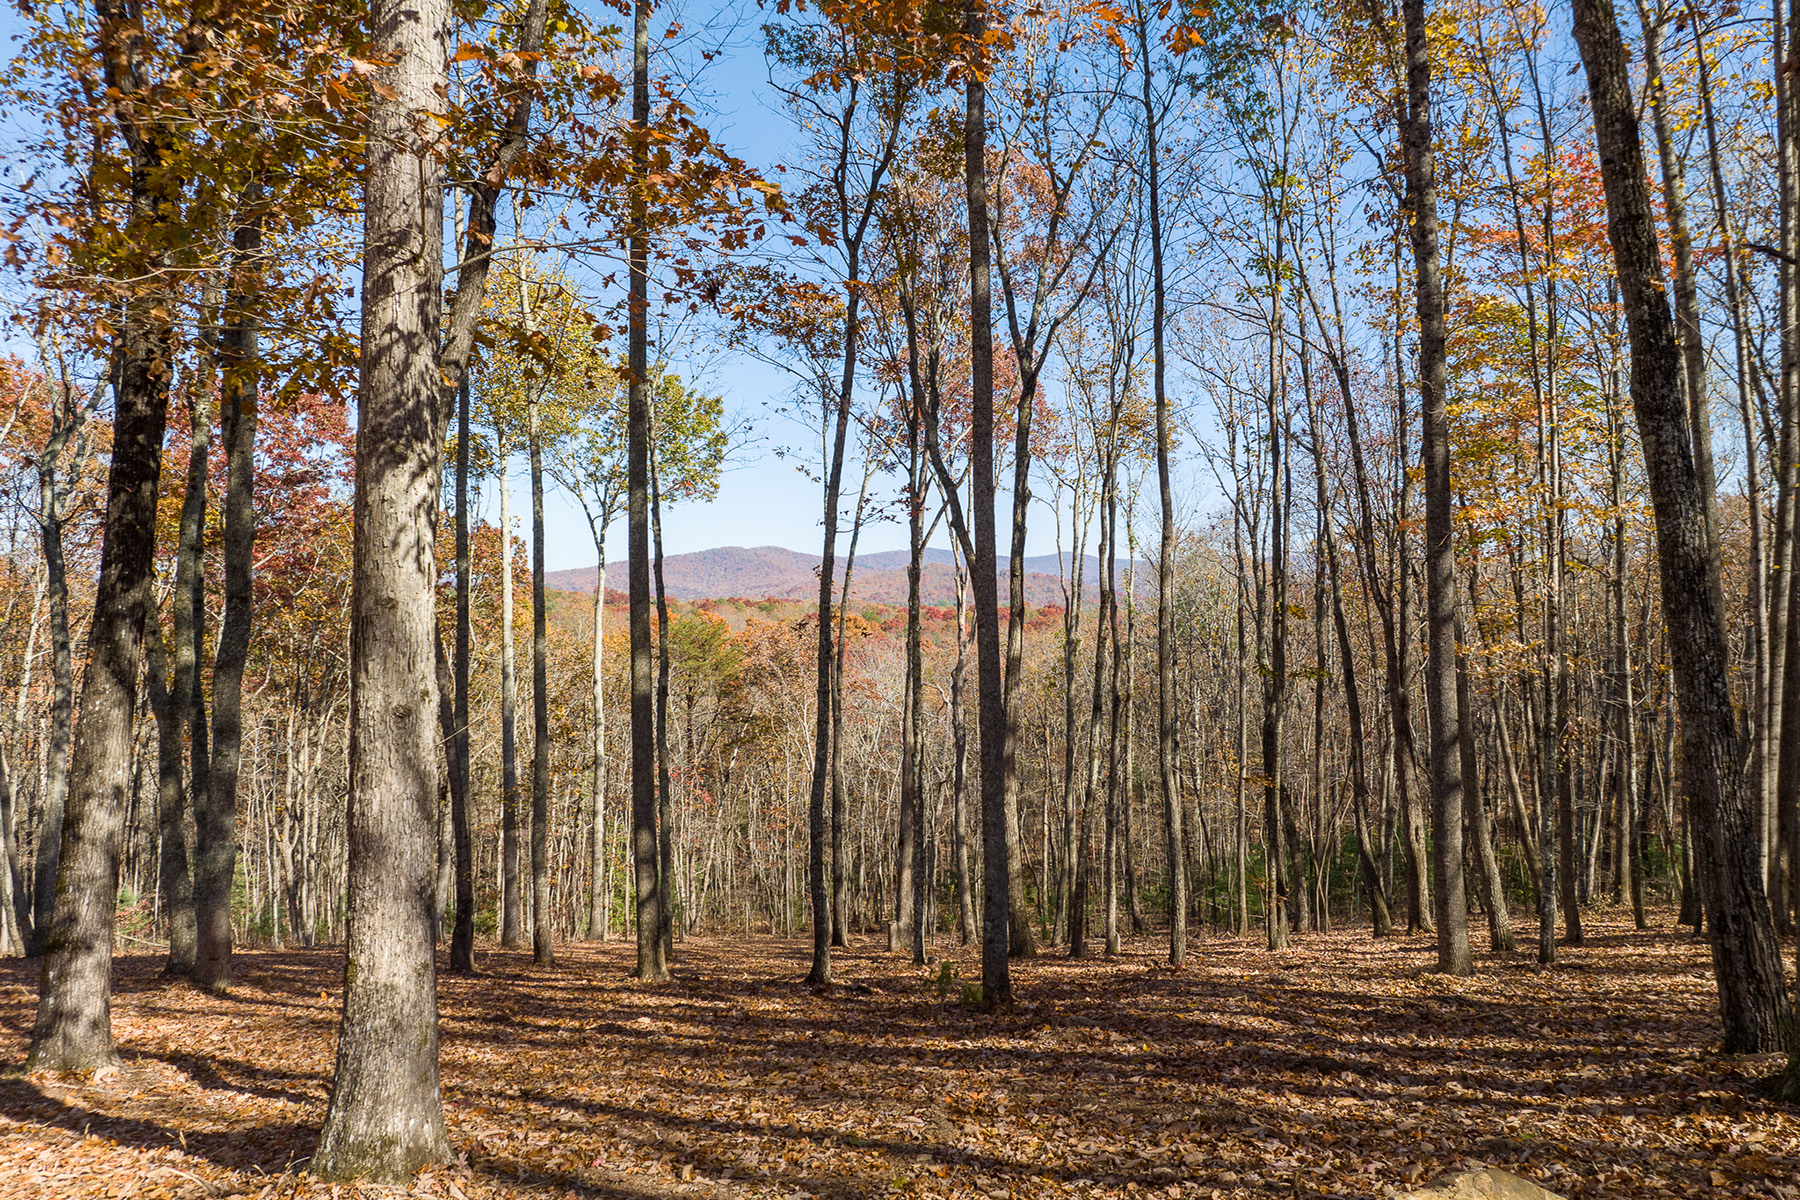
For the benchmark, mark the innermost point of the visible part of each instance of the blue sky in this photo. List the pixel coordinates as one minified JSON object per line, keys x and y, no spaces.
{"x":764,"y":498}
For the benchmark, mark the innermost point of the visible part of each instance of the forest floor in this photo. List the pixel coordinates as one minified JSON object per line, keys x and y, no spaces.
{"x":1341,"y":1067}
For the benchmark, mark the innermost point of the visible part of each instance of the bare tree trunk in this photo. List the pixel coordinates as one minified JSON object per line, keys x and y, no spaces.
{"x":239,"y":377}
{"x":1166,"y":745}
{"x":542,"y":952}
{"x":839,"y":415}
{"x":597,"y":894}
{"x":462,"y":934}
{"x":1787,"y":125}
{"x":73,"y":1031}
{"x":840,"y":873}
{"x":959,"y":752}
{"x":188,"y":613}
{"x":12,"y":935}
{"x":1441,"y":618}
{"x":1746,"y":956}
{"x":1379,"y":916}
{"x":652,"y":965}
{"x":512,"y":901}
{"x":386,"y":1117}
{"x":1114,"y":692}
{"x":665,"y":834}
{"x":177,"y":885}
{"x":996,"y":978}
{"x":1274,"y":666}
{"x":59,"y":468}
{"x":910,"y":882}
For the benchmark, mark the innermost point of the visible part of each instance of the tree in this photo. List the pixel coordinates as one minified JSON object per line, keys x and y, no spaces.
{"x":996,"y":978}
{"x":73,"y":1031}
{"x":386,"y":1117}
{"x":652,"y":965}
{"x":1753,"y":998}
{"x":476,"y":256}
{"x":591,"y":468}
{"x":548,"y":374}
{"x":1165,"y":558}
{"x":239,"y":382}
{"x":862,"y":104}
{"x":1442,"y":622}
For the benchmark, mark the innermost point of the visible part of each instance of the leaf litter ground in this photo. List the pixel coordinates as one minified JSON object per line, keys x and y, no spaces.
{"x":1341,"y":1067}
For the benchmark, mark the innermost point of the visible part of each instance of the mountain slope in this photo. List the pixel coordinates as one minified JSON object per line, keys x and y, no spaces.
{"x":762,"y":572}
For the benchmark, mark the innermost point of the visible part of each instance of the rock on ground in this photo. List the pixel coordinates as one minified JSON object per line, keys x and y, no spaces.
{"x":1488,"y":1184}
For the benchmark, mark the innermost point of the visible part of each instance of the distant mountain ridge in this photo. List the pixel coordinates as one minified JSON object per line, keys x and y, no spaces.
{"x":774,"y":572}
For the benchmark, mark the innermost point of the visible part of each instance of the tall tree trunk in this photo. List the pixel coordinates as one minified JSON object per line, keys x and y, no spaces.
{"x":1130,"y":789}
{"x":239,"y":380}
{"x":17,"y":894}
{"x":1114,"y":693}
{"x":73,"y":1030}
{"x":1746,"y":956}
{"x":12,"y":915}
{"x":996,"y":978}
{"x":1274,"y":667}
{"x":512,"y":900}
{"x":462,"y":934}
{"x":1071,"y":648}
{"x":597,"y":893}
{"x":1787,"y":125}
{"x":1019,"y":940}
{"x":840,"y":870}
{"x":1166,"y":747}
{"x":386,"y":1117}
{"x":924,"y":856}
{"x":542,"y":952}
{"x":177,"y":885}
{"x":910,"y":884}
{"x":959,"y":753}
{"x":665,"y":814}
{"x":188,"y":614}
{"x":57,"y":479}
{"x":838,"y":425}
{"x":1379,"y":916}
{"x":15,"y":903}
{"x":1445,"y":758}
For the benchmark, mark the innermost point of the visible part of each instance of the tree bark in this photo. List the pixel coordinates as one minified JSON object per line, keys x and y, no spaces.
{"x":1379,"y":915}
{"x":386,"y":1117}
{"x":665,"y":815}
{"x":216,"y":835}
{"x":73,"y":1031}
{"x":1746,"y":956}
{"x":188,"y":613}
{"x":597,"y":915}
{"x":1166,"y":748}
{"x":177,"y":884}
{"x":652,"y":965}
{"x":542,"y":952}
{"x":512,"y":900}
{"x":462,"y":934}
{"x":996,"y":978}
{"x":1445,"y":758}
{"x":56,"y":480}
